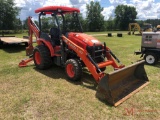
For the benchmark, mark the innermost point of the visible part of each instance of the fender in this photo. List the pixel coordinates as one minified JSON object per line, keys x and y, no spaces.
{"x":48,"y":44}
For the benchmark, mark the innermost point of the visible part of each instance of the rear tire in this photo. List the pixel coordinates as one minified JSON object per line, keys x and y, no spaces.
{"x":42,"y":58}
{"x":73,"y":69}
{"x":151,"y":58}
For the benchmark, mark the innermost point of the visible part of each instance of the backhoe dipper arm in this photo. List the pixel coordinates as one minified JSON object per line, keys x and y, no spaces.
{"x":33,"y":29}
{"x":83,"y":54}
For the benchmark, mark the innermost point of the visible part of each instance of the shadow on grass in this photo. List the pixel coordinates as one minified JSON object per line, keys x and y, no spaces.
{"x":156,"y":65}
{"x":57,"y":72}
{"x":13,"y":48}
{"x":87,"y":79}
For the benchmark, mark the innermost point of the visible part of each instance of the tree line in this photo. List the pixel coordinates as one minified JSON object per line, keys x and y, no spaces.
{"x":94,"y":20}
{"x":8,"y":16}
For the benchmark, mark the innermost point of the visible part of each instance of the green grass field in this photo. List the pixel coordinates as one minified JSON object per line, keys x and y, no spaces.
{"x":28,"y":93}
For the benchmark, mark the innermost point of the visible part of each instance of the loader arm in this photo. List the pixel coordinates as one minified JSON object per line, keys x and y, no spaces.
{"x":92,"y":67}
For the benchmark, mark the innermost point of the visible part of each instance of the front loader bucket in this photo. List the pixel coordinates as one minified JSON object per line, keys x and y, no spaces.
{"x":121,"y":84}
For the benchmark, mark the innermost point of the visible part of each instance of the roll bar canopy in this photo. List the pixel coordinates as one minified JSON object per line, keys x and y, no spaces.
{"x":59,"y":9}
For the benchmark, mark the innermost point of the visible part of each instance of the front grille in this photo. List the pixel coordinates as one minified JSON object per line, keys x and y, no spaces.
{"x":96,"y":52}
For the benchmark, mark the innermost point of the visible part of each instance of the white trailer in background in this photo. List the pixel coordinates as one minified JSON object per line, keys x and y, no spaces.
{"x":13,"y":40}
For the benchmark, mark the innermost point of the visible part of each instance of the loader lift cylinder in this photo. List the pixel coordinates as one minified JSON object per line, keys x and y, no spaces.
{"x":89,"y":57}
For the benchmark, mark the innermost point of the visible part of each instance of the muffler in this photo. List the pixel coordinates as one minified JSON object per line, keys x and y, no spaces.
{"x":121,"y":84}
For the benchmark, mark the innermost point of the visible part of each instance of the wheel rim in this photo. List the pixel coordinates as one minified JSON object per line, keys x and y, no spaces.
{"x":38,"y":58}
{"x":150,"y":59}
{"x":70,"y":70}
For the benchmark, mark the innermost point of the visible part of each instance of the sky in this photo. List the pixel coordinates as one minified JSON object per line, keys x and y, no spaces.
{"x":146,"y":9}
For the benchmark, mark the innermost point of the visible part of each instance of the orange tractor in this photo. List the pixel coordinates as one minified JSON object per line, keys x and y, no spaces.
{"x":72,"y":49}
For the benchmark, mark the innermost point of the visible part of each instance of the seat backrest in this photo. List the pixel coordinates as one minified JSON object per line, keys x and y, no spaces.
{"x":55,"y":35}
{"x":54,"y":32}
{"x":45,"y":36}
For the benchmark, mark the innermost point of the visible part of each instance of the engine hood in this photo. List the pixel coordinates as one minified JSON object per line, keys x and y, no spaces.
{"x":83,"y":39}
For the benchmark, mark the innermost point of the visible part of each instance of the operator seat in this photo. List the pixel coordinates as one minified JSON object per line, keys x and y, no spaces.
{"x":55,"y":36}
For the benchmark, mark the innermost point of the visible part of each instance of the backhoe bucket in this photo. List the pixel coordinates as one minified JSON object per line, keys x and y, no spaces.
{"x":121,"y":84}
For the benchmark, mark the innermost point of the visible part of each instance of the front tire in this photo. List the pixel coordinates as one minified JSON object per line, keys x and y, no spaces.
{"x":151,"y":58}
{"x":42,"y":58}
{"x":73,"y":69}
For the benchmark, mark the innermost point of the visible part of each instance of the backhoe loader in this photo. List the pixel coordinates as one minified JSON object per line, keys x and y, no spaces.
{"x":135,"y":26}
{"x":67,"y":46}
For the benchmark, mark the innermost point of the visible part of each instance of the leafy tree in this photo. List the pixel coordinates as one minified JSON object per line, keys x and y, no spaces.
{"x":17,"y":25}
{"x":109,"y":24}
{"x":83,"y":23}
{"x":8,"y":13}
{"x":154,"y":22}
{"x":95,"y":19}
{"x":124,"y":15}
{"x":25,"y":24}
{"x":71,"y":22}
{"x":46,"y":23}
